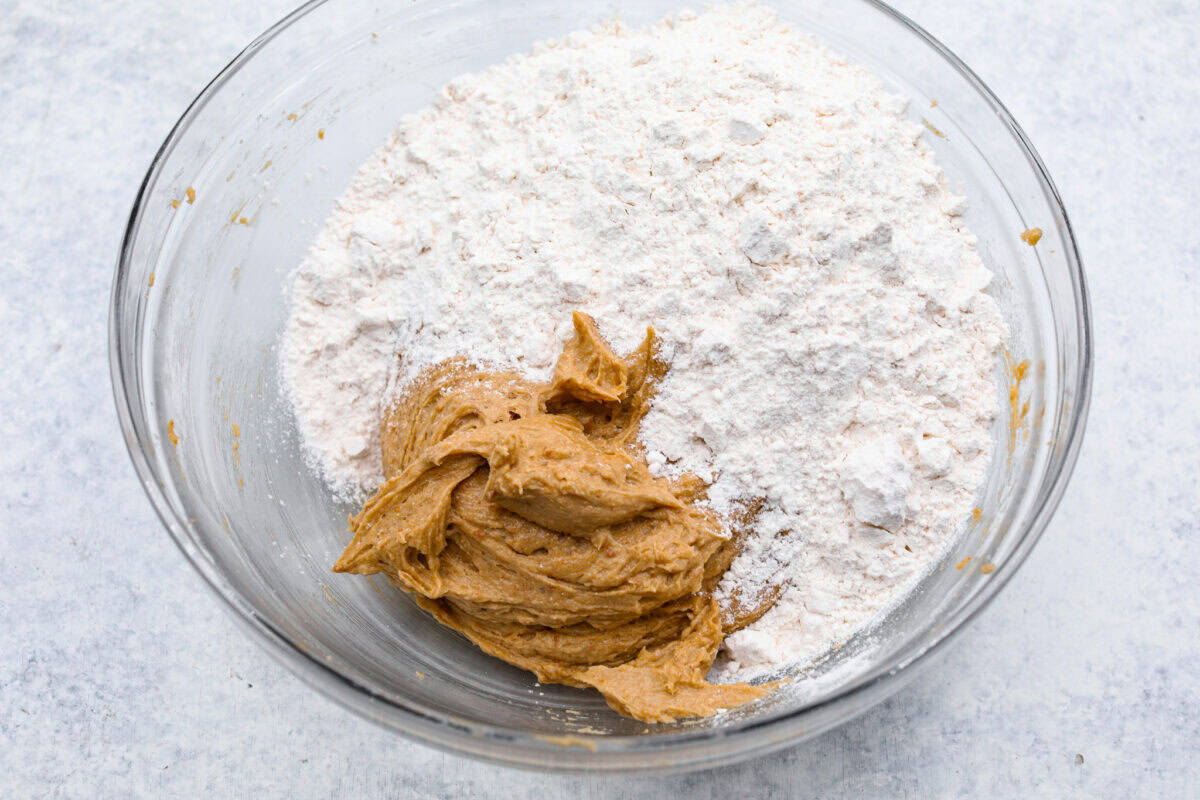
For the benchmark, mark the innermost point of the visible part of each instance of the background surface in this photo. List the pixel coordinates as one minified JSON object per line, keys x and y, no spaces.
{"x":120,"y":676}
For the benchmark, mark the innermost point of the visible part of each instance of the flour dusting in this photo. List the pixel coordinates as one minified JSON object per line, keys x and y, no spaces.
{"x":770,"y":209}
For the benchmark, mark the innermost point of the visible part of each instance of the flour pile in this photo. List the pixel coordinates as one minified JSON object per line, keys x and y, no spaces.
{"x":770,"y":209}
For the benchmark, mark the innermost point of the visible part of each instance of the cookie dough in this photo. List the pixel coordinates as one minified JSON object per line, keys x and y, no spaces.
{"x":523,"y":516}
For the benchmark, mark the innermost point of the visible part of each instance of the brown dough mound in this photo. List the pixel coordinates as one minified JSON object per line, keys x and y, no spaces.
{"x":522,"y":516}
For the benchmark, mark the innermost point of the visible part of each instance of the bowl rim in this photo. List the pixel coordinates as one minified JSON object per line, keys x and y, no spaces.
{"x":496,"y":744}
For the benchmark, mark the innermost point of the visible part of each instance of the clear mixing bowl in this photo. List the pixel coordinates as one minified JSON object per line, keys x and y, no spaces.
{"x":230,"y":205}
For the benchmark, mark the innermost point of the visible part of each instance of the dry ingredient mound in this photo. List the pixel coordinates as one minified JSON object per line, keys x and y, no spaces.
{"x":764,"y":203}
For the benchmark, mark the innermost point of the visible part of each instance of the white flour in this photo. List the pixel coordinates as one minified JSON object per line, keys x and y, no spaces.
{"x":769,"y":208}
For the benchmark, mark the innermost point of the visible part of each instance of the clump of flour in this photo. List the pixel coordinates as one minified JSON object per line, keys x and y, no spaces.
{"x":762,"y":202}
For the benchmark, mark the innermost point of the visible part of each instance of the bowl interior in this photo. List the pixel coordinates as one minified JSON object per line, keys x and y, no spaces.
{"x":200,"y":303}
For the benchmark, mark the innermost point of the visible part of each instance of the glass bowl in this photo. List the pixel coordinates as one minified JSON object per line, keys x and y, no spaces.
{"x":229,"y":207}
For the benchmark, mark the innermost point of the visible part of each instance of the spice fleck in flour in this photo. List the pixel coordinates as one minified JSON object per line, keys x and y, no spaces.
{"x":770,"y":209}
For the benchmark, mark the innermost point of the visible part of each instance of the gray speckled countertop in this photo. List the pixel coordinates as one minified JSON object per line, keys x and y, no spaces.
{"x":120,"y":675}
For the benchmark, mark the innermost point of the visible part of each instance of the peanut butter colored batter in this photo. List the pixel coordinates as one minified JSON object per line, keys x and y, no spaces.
{"x":522,"y":515}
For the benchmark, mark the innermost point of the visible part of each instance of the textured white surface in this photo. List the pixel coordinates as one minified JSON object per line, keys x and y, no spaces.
{"x":120,"y":676}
